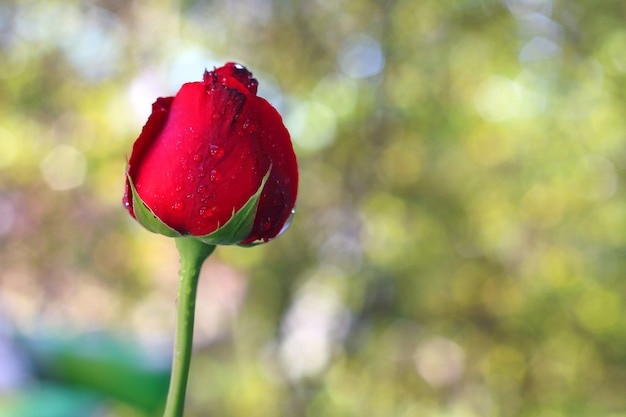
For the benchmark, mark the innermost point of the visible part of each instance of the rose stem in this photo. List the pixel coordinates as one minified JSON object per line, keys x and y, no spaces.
{"x":192,"y":254}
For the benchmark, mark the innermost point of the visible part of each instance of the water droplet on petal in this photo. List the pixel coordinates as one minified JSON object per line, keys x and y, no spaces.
{"x":201,"y":189}
{"x":216,"y":116}
{"x":204,"y":211}
{"x":265,"y":225}
{"x":178,"y":188}
{"x":216,"y":151}
{"x":197,"y":158}
{"x":247,"y":127}
{"x":178,"y":206}
{"x":215,"y":176}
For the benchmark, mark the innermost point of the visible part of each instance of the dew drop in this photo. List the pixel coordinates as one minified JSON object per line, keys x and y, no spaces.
{"x":201,"y":189}
{"x":248,"y":127}
{"x":215,"y":176}
{"x":178,"y":206}
{"x":179,"y":188}
{"x":191,"y":178}
{"x":204,"y":211}
{"x":216,"y":116}
{"x":197,"y":158}
{"x":216,"y":151}
{"x":265,"y":225}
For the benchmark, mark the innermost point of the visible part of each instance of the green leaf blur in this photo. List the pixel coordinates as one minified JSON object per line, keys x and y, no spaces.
{"x":459,"y":240}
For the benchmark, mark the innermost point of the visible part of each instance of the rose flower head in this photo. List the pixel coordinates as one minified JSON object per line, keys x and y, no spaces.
{"x":215,"y":162}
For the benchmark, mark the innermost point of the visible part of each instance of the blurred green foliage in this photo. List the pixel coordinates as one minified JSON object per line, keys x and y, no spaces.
{"x":460,"y":236}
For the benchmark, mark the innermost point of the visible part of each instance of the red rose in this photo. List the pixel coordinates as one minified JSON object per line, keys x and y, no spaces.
{"x":215,"y":161}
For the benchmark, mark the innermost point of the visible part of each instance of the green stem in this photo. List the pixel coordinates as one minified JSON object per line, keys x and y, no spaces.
{"x":192,"y":254}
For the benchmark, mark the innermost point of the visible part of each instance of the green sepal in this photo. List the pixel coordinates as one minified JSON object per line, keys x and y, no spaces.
{"x":146,"y":217}
{"x":239,"y":226}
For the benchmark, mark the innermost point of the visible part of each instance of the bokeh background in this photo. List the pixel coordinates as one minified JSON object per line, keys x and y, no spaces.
{"x":459,"y":246}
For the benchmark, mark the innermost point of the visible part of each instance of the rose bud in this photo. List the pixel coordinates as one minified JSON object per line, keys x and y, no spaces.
{"x":215,"y":162}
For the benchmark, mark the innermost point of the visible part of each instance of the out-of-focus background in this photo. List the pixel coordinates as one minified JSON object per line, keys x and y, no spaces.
{"x":459,"y":246}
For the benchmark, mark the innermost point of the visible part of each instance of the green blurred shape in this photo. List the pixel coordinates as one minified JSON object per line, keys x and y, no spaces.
{"x":108,"y":366}
{"x":50,"y":400}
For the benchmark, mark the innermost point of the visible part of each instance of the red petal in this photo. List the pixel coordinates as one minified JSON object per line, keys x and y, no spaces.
{"x":233,"y":75}
{"x":203,"y":154}
{"x":199,"y":169}
{"x":156,"y":121}
{"x":279,"y":195}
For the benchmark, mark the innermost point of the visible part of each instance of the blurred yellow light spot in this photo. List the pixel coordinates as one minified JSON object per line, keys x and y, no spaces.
{"x":417,"y":19}
{"x":559,"y":267}
{"x":471,"y":60}
{"x":346,"y":387}
{"x":502,"y":296}
{"x":64,"y":168}
{"x":400,"y":164}
{"x":440,"y":361}
{"x":493,"y":216}
{"x":504,"y":361}
{"x":595,"y":178}
{"x":617,"y":46}
{"x":386,"y":229}
{"x":338,"y":93}
{"x":396,"y":86}
{"x":498,"y":98}
{"x":490,"y":148}
{"x":312,"y":125}
{"x":8,"y":148}
{"x":598,"y":309}
{"x":543,"y":206}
